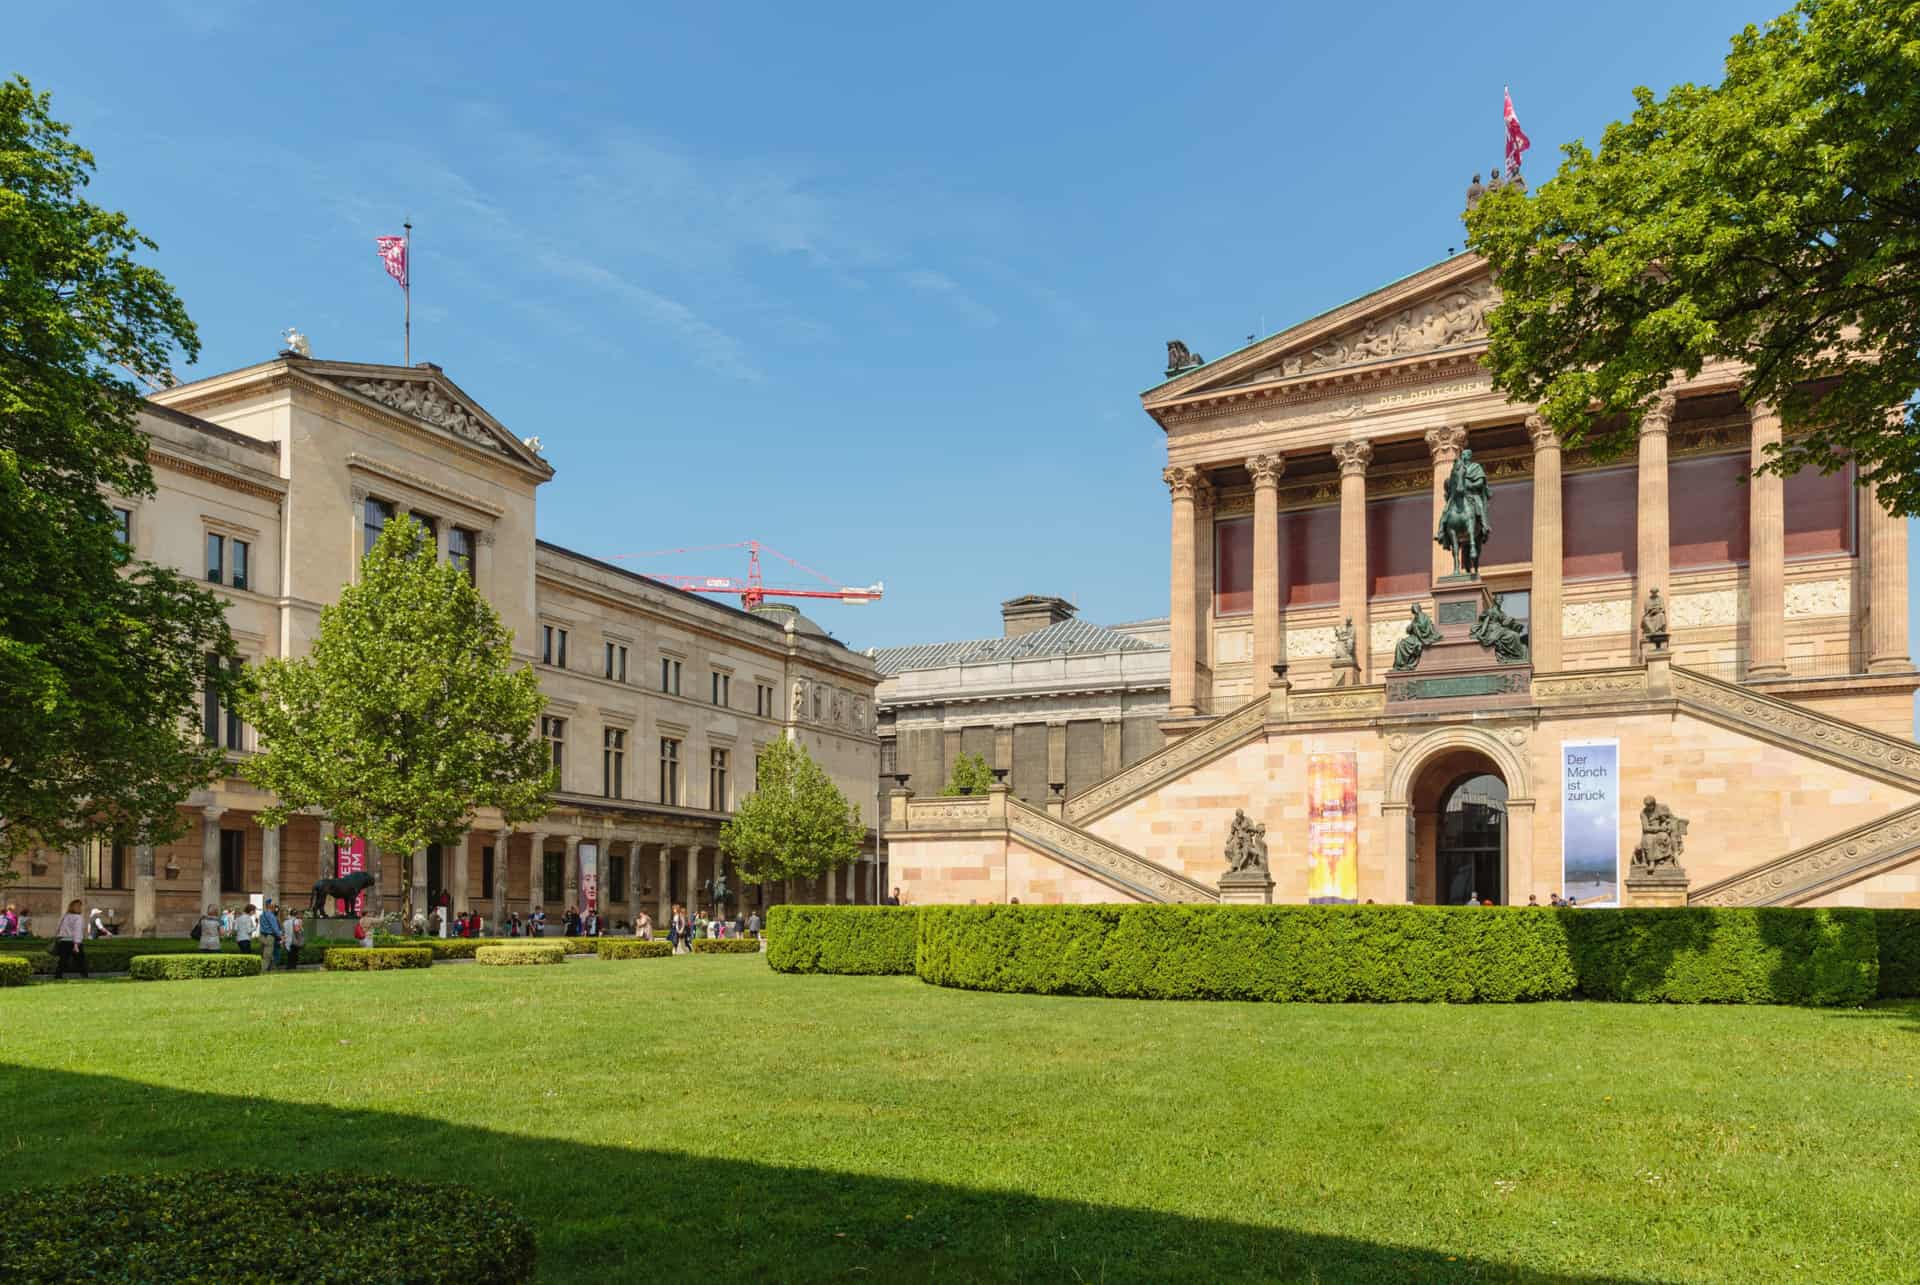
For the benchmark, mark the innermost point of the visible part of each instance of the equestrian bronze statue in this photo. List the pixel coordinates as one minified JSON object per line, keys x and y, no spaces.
{"x":1465,"y":522}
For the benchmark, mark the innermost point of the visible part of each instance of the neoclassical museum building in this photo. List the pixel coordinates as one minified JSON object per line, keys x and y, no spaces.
{"x":1661,"y":625}
{"x":275,"y":479}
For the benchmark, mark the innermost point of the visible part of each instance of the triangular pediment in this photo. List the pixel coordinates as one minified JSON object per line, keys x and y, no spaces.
{"x":1439,"y":310}
{"x":425,"y":394}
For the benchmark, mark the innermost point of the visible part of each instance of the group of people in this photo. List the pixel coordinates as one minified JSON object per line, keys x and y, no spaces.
{"x":279,"y":938}
{"x":683,"y":929}
{"x":16,"y":921}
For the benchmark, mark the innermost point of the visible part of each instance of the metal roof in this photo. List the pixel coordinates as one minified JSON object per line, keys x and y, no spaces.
{"x":1068,"y":638}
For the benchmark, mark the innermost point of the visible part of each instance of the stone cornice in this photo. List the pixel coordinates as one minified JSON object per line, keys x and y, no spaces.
{"x":358,"y":463}
{"x":218,"y":477}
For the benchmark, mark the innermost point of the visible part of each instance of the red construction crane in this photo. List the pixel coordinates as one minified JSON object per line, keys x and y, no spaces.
{"x":752,"y":590}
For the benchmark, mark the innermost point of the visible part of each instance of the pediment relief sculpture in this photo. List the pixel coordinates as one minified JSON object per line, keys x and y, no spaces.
{"x":422,"y":400}
{"x":1456,"y":317}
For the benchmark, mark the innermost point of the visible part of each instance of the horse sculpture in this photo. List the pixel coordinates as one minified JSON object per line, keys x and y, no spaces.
{"x":1465,"y":521}
{"x":343,"y":889}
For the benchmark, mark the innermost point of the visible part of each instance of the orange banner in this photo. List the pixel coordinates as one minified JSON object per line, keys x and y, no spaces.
{"x":1333,"y":828}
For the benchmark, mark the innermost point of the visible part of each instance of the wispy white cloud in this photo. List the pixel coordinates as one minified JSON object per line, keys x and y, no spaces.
{"x":713,"y":347}
{"x":944,"y":287}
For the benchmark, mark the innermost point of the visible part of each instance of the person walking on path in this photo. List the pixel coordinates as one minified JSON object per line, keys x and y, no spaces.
{"x":296,"y":937}
{"x":753,"y":925}
{"x":269,"y":937}
{"x":244,"y":925}
{"x":207,"y":931}
{"x":69,"y":941}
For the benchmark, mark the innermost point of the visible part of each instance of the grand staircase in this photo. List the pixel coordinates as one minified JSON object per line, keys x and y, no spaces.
{"x":1790,"y":879}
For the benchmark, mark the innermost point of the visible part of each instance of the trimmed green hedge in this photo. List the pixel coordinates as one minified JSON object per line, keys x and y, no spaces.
{"x":842,"y":939}
{"x":330,"y":1227}
{"x":15,"y":970}
{"x":1899,"y":932}
{"x":633,"y":948}
{"x":468,"y":947}
{"x":726,"y":946}
{"x":1376,"y":954}
{"x":533,"y":952}
{"x":181,"y":967}
{"x":108,"y":954}
{"x":373,"y":959}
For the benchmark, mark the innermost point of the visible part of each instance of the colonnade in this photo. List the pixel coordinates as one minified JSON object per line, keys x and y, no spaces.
{"x":1884,"y":636}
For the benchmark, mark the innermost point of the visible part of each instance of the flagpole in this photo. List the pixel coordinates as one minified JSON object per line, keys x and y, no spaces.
{"x":407,"y":290}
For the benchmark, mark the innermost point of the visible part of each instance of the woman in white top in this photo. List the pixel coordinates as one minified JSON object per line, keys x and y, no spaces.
{"x":69,"y":939}
{"x":243,"y":926}
{"x":209,"y":927}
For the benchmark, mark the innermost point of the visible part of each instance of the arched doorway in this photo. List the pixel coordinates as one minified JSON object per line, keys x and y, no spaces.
{"x":1457,"y":830}
{"x":1470,"y":848}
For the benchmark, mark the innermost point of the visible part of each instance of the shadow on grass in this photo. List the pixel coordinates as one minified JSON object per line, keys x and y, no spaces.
{"x":607,"y":1212}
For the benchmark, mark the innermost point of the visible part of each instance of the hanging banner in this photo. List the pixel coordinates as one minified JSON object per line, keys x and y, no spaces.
{"x":1590,"y":822}
{"x":1333,"y":828}
{"x":350,"y":857}
{"x":589,"y":876}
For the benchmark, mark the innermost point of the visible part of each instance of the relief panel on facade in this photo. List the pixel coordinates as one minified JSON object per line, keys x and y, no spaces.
{"x":1310,"y":644}
{"x":1456,"y":317}
{"x":1704,"y":610}
{"x":1819,"y":598}
{"x":1588,"y":619}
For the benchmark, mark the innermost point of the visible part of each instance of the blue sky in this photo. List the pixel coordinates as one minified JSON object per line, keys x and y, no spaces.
{"x":876,"y":285}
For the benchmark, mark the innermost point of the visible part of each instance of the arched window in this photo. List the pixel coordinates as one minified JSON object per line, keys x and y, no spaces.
{"x":1472,"y":848}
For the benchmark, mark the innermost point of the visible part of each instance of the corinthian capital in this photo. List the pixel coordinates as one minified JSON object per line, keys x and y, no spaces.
{"x":1186,"y":482}
{"x":1353,"y":457}
{"x":1659,"y":416}
{"x":1543,"y":434}
{"x":1445,"y":443}
{"x":1266,"y":469}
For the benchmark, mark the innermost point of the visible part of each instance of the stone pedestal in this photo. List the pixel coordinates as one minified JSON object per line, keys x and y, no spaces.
{"x":1458,"y":669}
{"x":332,"y":928}
{"x":1663,"y":887}
{"x":1246,"y":888}
{"x":1346,"y":674}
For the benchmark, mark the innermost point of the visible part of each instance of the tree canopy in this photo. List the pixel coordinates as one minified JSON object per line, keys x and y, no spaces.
{"x":1771,"y":220}
{"x":409,"y":714}
{"x":796,"y":824}
{"x":971,"y":775}
{"x":101,"y":654}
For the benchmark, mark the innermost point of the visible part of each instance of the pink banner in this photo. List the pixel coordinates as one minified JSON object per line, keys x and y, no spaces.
{"x":350,"y":857}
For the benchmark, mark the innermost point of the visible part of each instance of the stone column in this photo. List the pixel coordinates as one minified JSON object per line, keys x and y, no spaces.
{"x":1548,"y":565}
{"x":1766,"y":556}
{"x":1886,"y":588}
{"x":536,"y":868}
{"x":1521,"y":877}
{"x":833,"y":885}
{"x":73,"y":874}
{"x":665,"y":897}
{"x":1111,"y":752}
{"x":1188,"y":486}
{"x":1003,"y":748}
{"x":417,"y":889}
{"x":572,"y":869}
{"x":502,"y":844}
{"x":1354,"y":458}
{"x":1056,"y":754}
{"x":210,"y":854}
{"x":1653,"y":526}
{"x":1444,"y":446}
{"x":326,"y":851}
{"x":1268,"y":647}
{"x":143,"y":890}
{"x":458,"y":890}
{"x":693,"y":878}
{"x":1393,"y":819}
{"x":635,"y":883}
{"x":270,"y":863}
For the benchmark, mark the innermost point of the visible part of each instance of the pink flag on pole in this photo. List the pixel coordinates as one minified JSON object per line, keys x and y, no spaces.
{"x":1517,"y":140}
{"x":393,"y":249}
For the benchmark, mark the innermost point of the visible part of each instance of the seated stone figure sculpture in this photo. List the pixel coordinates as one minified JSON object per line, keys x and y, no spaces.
{"x":1421,"y":634}
{"x":1504,"y":634}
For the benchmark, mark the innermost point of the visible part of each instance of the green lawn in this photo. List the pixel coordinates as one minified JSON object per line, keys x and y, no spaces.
{"x":702,"y":1114}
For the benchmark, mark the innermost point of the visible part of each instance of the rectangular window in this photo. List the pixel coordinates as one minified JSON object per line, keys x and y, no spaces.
{"x":552,"y":876}
{"x":613,"y":762}
{"x":123,"y":527}
{"x":374,"y":516}
{"x":616,"y":662}
{"x":233,"y":860}
{"x":763,"y":700}
{"x":461,"y":544}
{"x":240,"y":551}
{"x":669,"y":771}
{"x":717,"y":781}
{"x":106,"y":865}
{"x":216,"y":558}
{"x":221,"y":725}
{"x":431,"y":526}
{"x":722,"y":689}
{"x":553,"y":646}
{"x":486,"y":872}
{"x":669,"y":676}
{"x":616,"y":889}
{"x":555,"y":732}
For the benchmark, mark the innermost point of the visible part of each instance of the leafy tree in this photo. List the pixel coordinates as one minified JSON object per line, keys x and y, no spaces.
{"x":795,"y":825}
{"x":408,"y":715}
{"x":971,"y":775}
{"x":1771,"y":220}
{"x":101,"y":656}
